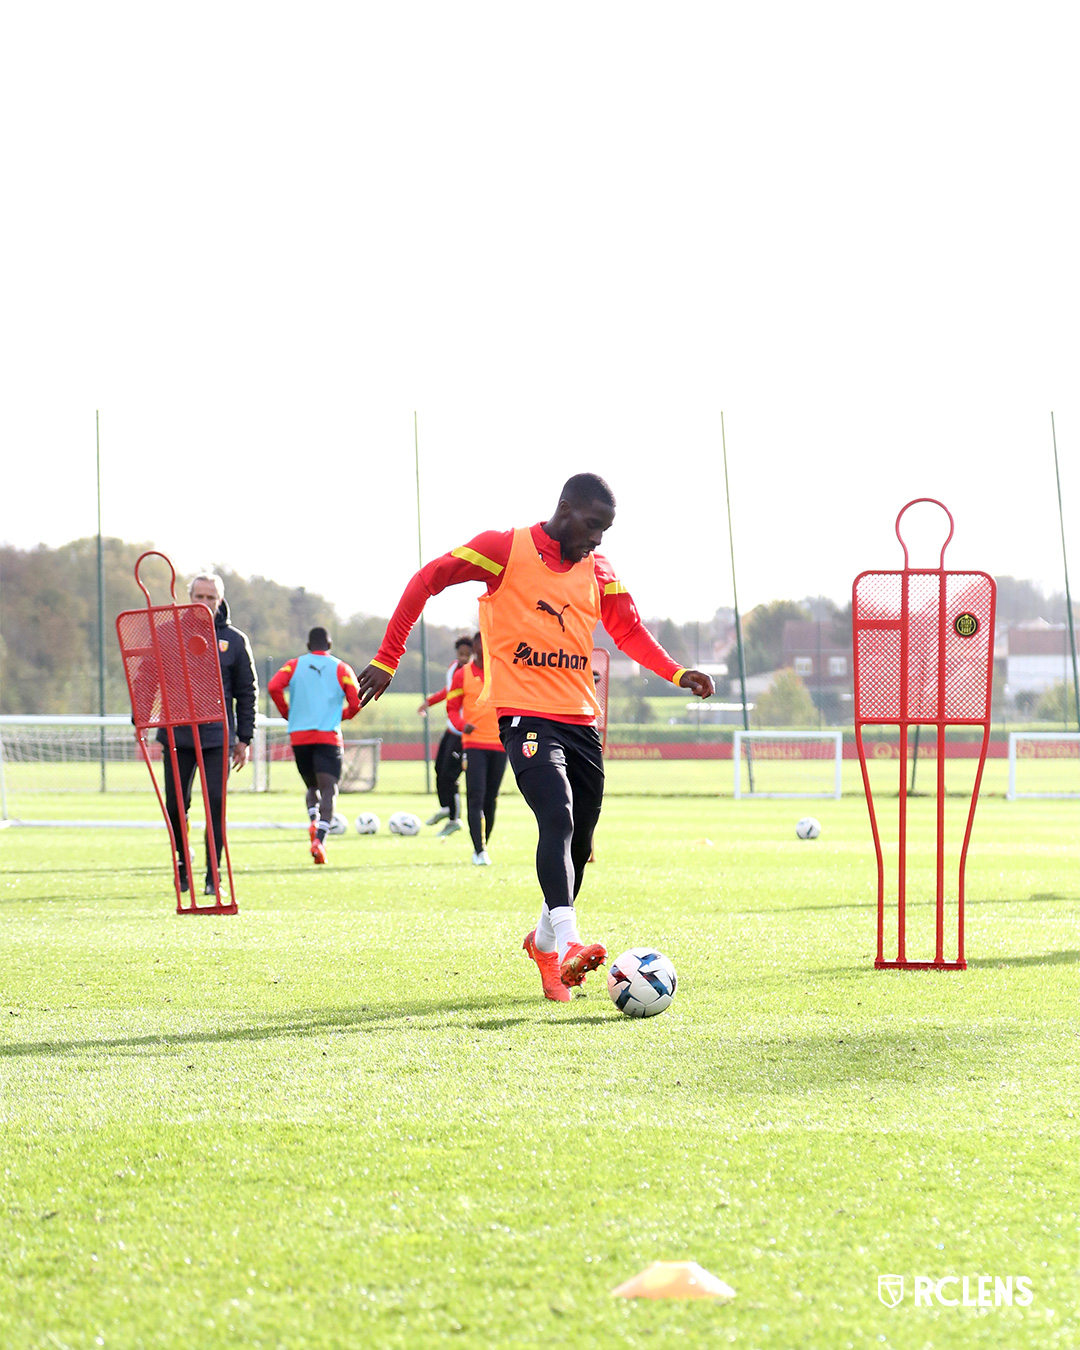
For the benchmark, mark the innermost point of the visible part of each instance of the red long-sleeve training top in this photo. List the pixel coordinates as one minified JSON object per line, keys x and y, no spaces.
{"x":484,"y":559}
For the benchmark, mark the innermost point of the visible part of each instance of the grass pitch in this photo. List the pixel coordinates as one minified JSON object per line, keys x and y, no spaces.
{"x":345,"y":1116}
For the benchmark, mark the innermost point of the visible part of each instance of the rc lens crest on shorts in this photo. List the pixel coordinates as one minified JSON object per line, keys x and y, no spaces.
{"x":556,"y":660}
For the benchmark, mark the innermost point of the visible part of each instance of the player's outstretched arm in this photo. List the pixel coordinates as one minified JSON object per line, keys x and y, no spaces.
{"x":697,"y":681}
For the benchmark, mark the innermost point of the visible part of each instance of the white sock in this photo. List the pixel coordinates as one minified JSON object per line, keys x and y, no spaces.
{"x":564,"y":922}
{"x":545,"y":934}
{"x":313,"y":813}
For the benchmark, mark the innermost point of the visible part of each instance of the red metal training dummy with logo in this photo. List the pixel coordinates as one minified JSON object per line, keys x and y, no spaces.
{"x":924,"y":652}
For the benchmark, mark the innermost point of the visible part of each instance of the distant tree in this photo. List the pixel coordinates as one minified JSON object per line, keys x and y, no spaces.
{"x":1019,"y":601}
{"x":763,"y":634}
{"x":819,"y":607}
{"x":627,"y":701}
{"x":1025,"y":702}
{"x":840,"y":626}
{"x":1057,"y":704}
{"x":786,"y":704}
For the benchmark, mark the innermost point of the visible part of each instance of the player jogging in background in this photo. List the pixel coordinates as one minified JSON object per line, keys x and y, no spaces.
{"x":485,"y":758}
{"x":448,"y":757}
{"x":322,"y":691}
{"x":547,"y":588}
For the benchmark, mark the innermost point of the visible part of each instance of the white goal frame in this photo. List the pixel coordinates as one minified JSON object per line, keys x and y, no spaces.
{"x":836,"y":737}
{"x":360,"y":769}
{"x":1014,"y":738}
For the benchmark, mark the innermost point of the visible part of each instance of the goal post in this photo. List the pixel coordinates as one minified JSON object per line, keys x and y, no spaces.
{"x":1044,"y":764}
{"x":789,"y":764}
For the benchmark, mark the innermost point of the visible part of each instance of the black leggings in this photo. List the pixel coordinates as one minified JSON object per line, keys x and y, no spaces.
{"x":213,"y":759}
{"x":484,"y":771}
{"x":562,"y":780}
{"x":447,"y":773}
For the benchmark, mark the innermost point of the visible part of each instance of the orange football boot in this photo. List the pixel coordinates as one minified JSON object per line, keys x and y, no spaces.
{"x":579,"y":960}
{"x":548,"y":965}
{"x":318,"y":852}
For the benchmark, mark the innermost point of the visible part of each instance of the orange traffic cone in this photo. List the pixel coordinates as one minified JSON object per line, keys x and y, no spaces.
{"x":675,"y":1279}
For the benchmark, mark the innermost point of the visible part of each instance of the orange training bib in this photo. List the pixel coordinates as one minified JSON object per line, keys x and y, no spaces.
{"x":538,"y":635}
{"x":482,"y":716}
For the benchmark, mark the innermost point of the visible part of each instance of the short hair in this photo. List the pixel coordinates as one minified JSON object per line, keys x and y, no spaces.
{"x":587,"y":487}
{"x":318,"y":640}
{"x":463,"y":642}
{"x":207,"y":576}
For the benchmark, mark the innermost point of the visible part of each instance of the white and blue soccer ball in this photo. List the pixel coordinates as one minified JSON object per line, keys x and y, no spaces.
{"x":808,"y":828}
{"x":339,"y":824}
{"x":642,"y":982}
{"x":367,"y":822}
{"x":404,"y":822}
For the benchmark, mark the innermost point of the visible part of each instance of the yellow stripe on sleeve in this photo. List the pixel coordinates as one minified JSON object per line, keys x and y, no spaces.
{"x":614,"y":588}
{"x":678,"y":675}
{"x":470,"y":555}
{"x":390,"y":670}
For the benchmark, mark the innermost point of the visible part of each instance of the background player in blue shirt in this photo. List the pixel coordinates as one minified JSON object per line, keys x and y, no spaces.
{"x":322,"y":691}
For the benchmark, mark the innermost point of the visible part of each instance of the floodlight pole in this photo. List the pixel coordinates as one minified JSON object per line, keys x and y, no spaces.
{"x":735,"y":598}
{"x":100,"y":599}
{"x":423,"y":626}
{"x":1068,"y":595}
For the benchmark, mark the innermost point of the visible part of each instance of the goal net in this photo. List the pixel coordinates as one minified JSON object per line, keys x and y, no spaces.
{"x":1044,"y":764}
{"x":45,"y":756}
{"x":275,"y":769}
{"x":788,"y":763}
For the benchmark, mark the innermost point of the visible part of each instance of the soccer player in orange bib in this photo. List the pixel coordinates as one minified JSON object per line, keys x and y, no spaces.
{"x":547,"y":588}
{"x":485,"y":758}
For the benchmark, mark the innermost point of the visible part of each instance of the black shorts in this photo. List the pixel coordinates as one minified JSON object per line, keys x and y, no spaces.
{"x":315,"y":759}
{"x":537,"y":740}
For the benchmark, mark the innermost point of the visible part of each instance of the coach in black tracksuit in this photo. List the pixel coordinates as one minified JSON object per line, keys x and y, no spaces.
{"x":241,"y":687}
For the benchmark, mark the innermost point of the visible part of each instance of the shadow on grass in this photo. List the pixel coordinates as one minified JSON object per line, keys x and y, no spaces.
{"x":338,"y":1020}
{"x":1062,"y":958}
{"x":1049,"y":897}
{"x":1066,"y":958}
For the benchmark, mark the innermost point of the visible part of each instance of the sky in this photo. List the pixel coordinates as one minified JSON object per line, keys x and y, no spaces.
{"x":259,"y":240}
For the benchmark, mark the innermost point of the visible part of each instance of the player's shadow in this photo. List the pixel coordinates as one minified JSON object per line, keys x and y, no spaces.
{"x":406,"y":1017}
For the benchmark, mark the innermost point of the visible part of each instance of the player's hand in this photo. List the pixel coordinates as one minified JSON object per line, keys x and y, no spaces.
{"x":468,"y":729}
{"x":373,"y":682}
{"x":698,"y":682}
{"x":241,"y":754}
{"x":422,"y":710}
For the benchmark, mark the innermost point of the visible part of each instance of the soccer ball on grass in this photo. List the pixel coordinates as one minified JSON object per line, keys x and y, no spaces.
{"x":808,"y":828}
{"x":641,"y":982}
{"x":339,"y":824}
{"x":367,"y":822}
{"x":404,"y":822}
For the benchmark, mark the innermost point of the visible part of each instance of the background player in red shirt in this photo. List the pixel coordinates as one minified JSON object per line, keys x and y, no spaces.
{"x":485,"y":758}
{"x":448,"y":757}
